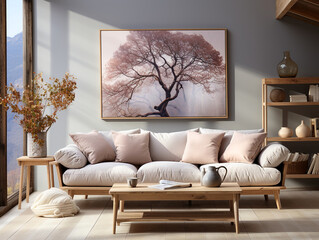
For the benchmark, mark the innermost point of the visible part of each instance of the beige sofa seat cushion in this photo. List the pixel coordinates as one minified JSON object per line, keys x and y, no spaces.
{"x":168,"y":146}
{"x":153,"y":172}
{"x":247,"y":174}
{"x":101,"y":174}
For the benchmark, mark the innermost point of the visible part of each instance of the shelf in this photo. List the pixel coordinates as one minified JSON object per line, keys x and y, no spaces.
{"x":292,"y":104}
{"x":292,"y":139}
{"x":302,"y":176}
{"x":291,"y":81}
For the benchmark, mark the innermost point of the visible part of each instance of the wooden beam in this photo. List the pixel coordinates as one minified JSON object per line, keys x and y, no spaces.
{"x":3,"y":114}
{"x":283,"y":6}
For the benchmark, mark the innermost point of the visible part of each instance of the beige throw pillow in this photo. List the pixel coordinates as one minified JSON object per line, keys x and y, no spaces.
{"x":132,"y":148}
{"x":94,"y":146}
{"x":202,"y":148}
{"x":243,"y":147}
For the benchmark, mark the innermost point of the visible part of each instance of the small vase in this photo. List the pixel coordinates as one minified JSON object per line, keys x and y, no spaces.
{"x":285,"y":132}
{"x":36,"y":150}
{"x":302,"y":130}
{"x":287,"y":67}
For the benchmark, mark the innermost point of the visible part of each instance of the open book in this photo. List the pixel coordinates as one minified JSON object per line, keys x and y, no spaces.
{"x":166,"y":184}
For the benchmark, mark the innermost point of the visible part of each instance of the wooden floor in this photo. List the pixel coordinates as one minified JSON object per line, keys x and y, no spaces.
{"x":299,"y":219}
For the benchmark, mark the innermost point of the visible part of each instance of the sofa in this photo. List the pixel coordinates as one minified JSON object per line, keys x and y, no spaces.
{"x":99,"y":159}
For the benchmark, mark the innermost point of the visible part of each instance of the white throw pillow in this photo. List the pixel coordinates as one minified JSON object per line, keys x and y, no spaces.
{"x":272,"y":155}
{"x":70,"y":157}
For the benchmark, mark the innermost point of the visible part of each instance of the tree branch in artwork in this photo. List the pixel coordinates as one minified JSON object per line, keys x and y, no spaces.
{"x":166,"y":58}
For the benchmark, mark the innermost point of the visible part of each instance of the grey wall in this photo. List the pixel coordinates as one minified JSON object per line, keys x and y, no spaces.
{"x":67,"y":39}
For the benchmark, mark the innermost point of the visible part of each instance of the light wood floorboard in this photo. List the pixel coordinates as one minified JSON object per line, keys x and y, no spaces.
{"x":259,"y":219}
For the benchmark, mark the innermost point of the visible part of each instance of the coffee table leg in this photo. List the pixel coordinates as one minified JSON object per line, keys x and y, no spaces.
{"x":122,"y":206}
{"x":115,"y":209}
{"x":236,"y":212}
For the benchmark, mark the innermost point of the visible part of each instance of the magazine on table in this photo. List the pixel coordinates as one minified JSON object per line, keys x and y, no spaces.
{"x":166,"y":184}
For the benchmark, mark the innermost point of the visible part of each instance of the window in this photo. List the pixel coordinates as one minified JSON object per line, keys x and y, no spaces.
{"x":14,"y":76}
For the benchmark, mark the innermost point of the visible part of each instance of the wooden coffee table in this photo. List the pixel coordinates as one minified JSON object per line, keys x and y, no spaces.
{"x":227,"y":191}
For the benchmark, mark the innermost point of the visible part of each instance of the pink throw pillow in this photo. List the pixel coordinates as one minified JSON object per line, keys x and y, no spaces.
{"x":94,"y":146}
{"x":132,"y":148}
{"x":243,"y":147}
{"x":202,"y":148}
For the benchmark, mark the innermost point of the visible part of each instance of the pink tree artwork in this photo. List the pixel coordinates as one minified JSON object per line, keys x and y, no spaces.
{"x":163,"y":73}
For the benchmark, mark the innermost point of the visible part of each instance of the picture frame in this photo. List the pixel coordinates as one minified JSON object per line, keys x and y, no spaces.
{"x":163,"y":73}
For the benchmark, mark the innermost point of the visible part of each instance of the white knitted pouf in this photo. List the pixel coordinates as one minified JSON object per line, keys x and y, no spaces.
{"x":54,"y":202}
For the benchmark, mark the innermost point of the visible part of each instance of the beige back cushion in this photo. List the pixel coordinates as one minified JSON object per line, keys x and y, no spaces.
{"x":243,"y":147}
{"x":109,"y":138}
{"x":94,"y":146}
{"x":202,"y":148}
{"x":228,"y":135}
{"x":132,"y":148}
{"x":168,"y":146}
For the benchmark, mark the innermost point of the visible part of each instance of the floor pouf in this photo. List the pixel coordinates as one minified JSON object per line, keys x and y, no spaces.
{"x":54,"y":202}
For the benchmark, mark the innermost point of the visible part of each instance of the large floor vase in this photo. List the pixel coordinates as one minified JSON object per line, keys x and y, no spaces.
{"x":36,"y":150}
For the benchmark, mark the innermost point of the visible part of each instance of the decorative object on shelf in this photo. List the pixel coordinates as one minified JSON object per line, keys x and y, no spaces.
{"x":298,"y":98}
{"x":155,"y":73}
{"x":285,"y":132}
{"x":302,"y":130}
{"x":211,"y":178}
{"x":287,"y":67}
{"x":37,"y":106}
{"x":315,"y":127}
{"x":313,"y":94}
{"x":277,"y":95}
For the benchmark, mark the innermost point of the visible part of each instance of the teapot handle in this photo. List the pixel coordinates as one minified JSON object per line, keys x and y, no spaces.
{"x":225,"y":172}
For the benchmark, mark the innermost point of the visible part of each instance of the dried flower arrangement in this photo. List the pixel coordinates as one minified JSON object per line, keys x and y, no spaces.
{"x":37,"y":106}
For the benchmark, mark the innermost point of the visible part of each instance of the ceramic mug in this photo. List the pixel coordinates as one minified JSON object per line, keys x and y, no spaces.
{"x":132,"y":182}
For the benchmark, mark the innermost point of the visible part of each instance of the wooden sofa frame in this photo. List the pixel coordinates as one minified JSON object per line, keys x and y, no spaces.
{"x":262,"y":190}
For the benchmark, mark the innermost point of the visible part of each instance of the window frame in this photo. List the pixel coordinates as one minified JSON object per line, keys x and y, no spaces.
{"x":7,"y":203}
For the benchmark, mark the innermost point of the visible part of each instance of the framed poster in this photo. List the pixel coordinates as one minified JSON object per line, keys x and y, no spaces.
{"x":158,"y":73}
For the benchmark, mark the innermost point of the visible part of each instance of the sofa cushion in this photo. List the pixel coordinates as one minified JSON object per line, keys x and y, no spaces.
{"x":109,"y":138}
{"x":168,"y":146}
{"x":70,"y":157}
{"x":153,"y":172}
{"x":101,"y":174}
{"x":132,"y":148}
{"x":247,"y":174}
{"x":228,"y":136}
{"x":243,"y":147}
{"x":272,"y":155}
{"x":94,"y":146}
{"x":202,"y":148}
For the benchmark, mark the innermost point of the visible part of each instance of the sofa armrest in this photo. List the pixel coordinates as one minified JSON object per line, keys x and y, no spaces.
{"x":273,"y":155}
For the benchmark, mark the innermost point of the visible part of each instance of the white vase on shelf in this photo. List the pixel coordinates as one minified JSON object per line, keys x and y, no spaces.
{"x":285,"y":132}
{"x":302,"y":130}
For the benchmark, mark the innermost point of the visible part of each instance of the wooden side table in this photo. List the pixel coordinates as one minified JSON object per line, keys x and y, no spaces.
{"x":28,"y":162}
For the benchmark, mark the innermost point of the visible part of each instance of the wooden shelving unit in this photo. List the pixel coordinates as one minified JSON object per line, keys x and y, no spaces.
{"x":281,"y":82}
